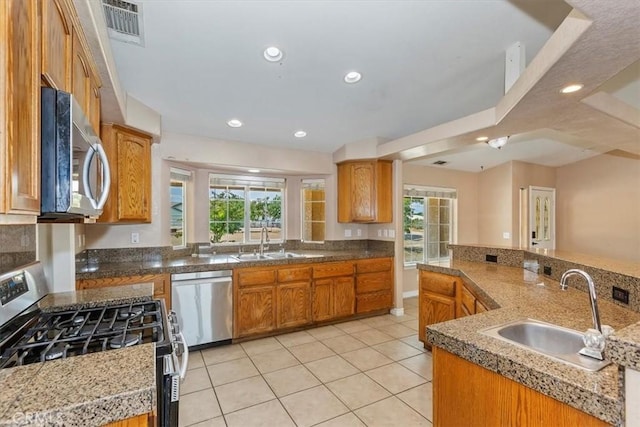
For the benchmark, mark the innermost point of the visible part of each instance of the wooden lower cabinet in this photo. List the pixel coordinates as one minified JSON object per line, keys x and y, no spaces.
{"x":256,"y":310}
{"x":374,"y":284}
{"x":465,"y":394}
{"x":437,"y":295}
{"x":294,"y":304}
{"x":144,"y":420}
{"x":333,"y":298}
{"x":161,"y":284}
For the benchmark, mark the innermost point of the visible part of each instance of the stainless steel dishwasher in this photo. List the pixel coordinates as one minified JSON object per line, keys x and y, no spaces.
{"x":203,"y":303}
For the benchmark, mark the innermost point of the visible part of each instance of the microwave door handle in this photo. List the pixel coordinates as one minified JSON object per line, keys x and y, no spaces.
{"x":85,"y":177}
{"x":106,"y":176}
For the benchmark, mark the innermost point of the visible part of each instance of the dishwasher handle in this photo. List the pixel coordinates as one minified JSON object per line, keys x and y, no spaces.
{"x":213,"y":281}
{"x":179,"y":277}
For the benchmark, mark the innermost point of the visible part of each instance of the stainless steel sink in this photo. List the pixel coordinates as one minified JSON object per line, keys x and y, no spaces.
{"x":281,"y":255}
{"x":545,"y":338}
{"x":250,"y":257}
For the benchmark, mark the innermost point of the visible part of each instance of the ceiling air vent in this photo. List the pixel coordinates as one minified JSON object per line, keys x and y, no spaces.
{"x":124,"y":21}
{"x":440,"y":162}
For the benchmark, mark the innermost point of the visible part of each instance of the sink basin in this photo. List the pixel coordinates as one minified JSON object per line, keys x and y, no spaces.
{"x":281,"y":255}
{"x":545,"y":338}
{"x":250,"y":257}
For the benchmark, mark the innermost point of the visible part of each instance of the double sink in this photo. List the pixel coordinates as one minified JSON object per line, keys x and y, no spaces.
{"x":272,"y":256}
{"x":554,"y":341}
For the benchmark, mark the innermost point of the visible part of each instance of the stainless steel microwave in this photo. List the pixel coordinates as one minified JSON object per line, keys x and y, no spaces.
{"x":75,"y":176}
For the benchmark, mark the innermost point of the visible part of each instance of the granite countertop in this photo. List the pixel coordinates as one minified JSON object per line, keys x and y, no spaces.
{"x":213,"y":262}
{"x":88,"y":390}
{"x":515,"y":293}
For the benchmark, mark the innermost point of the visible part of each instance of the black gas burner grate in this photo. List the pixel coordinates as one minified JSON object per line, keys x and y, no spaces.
{"x":52,"y":336}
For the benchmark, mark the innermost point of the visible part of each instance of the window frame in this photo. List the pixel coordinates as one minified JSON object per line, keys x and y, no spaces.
{"x":312,"y":183}
{"x":248,"y":185}
{"x":426,"y":193}
{"x":182,"y":177}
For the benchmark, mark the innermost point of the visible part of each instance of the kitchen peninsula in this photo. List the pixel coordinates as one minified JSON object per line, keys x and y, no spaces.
{"x":515,"y":293}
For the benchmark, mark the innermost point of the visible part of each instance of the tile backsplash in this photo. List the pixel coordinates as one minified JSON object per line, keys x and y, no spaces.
{"x":17,"y":246}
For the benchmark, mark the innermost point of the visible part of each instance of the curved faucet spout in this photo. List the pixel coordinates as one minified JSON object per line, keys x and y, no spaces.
{"x":592,"y":294}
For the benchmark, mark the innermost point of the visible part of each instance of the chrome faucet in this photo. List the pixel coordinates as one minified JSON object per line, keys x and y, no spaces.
{"x":592,"y":294}
{"x":594,"y":339}
{"x":264,"y":238}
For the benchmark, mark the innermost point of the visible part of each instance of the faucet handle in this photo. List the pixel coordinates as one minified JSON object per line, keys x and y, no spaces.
{"x":594,"y":343}
{"x":607,"y":330}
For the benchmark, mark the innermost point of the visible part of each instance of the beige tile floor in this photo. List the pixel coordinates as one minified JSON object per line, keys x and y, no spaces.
{"x":369,"y":372}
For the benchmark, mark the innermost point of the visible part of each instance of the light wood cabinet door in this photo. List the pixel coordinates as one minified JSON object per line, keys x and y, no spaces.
{"x":465,"y":394}
{"x":322,"y":299}
{"x":436,"y":309}
{"x":19,"y":108}
{"x":294,"y":304}
{"x":344,"y":296}
{"x":365,"y":191}
{"x":144,"y":420}
{"x":129,"y":154}
{"x":256,"y":310}
{"x":56,"y":44}
{"x":80,"y":73}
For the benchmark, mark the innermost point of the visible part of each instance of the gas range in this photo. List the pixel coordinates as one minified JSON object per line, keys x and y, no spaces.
{"x":30,"y":335}
{"x":61,"y":334}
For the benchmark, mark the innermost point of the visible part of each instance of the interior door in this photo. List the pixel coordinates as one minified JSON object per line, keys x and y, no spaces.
{"x":542,"y":217}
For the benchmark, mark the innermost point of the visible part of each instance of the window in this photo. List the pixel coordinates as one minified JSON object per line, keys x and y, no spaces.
{"x":240,"y":206}
{"x":313,"y":204}
{"x":428,"y":224}
{"x":178,"y":203}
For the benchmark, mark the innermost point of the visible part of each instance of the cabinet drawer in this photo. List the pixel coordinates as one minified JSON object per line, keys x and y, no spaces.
{"x":373,"y":301}
{"x":374,"y":265}
{"x":468,"y":301}
{"x":373,"y":282}
{"x":332,"y":270}
{"x":256,"y":277}
{"x":442,"y":284}
{"x":295,"y":274}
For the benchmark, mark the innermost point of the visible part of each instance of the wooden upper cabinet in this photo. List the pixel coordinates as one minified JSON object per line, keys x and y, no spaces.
{"x":19,"y":109}
{"x":94,"y":105}
{"x":129,"y":154}
{"x":365,"y":191}
{"x":80,"y":74}
{"x":56,"y":44}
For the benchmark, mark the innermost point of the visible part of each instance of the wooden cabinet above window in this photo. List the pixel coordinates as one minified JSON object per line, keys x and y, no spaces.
{"x":129,"y":154}
{"x":365,"y":191}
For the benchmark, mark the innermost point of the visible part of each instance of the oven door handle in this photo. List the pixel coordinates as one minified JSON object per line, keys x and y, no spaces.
{"x":182,"y":343}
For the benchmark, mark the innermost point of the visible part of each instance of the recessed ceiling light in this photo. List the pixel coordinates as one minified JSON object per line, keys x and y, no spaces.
{"x":571,"y":88}
{"x":272,"y":54}
{"x":234,"y":123}
{"x":498,"y":142}
{"x":482,"y":138}
{"x":352,"y":77}
{"x":300,"y":134}
{"x":253,"y":170}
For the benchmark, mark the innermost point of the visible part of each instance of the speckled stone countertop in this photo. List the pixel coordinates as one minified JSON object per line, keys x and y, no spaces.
{"x":88,"y":390}
{"x":214,"y":262}
{"x":94,"y":297}
{"x":624,"y":347}
{"x":515,"y":293}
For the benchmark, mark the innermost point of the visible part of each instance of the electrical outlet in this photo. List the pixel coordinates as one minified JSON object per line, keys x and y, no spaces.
{"x":135,"y":237}
{"x":347,"y":232}
{"x":392,"y":233}
{"x":491,"y":258}
{"x":379,"y":233}
{"x":546,"y":270}
{"x":621,"y":295}
{"x":359,"y":232}
{"x":506,"y":235}
{"x":385,"y":233}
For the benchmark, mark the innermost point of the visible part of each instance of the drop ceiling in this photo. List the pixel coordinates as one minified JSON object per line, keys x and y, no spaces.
{"x":423,"y":63}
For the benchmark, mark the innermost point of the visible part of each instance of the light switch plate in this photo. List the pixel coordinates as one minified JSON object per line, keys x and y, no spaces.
{"x":359,"y":232}
{"x":392,"y":233}
{"x":506,"y":235}
{"x":347,"y":232}
{"x":135,"y":237}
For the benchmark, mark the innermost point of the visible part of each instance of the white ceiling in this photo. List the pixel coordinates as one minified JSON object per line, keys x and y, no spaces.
{"x":423,"y":63}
